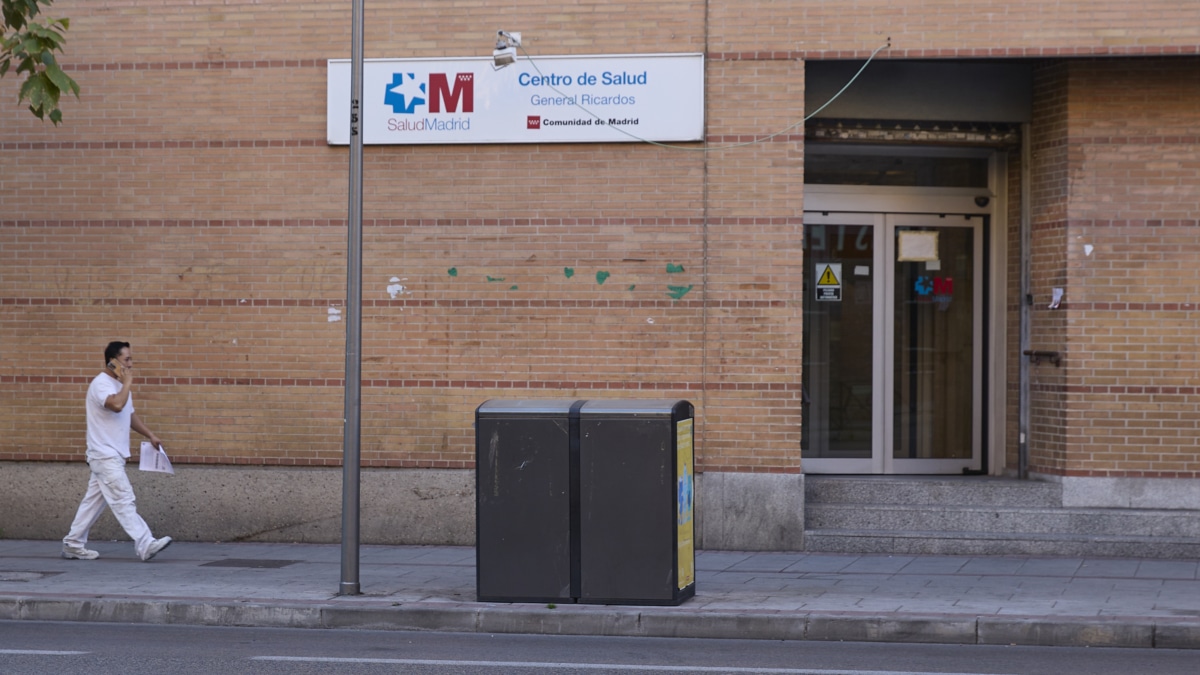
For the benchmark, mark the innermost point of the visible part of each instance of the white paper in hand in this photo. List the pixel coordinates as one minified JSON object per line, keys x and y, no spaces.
{"x":154,"y":459}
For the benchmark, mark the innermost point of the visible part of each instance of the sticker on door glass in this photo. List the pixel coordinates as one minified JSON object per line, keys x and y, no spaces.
{"x":937,"y":290}
{"x":829,"y":282}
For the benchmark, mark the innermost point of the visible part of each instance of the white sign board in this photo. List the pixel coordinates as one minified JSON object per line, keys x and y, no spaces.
{"x":553,"y":99}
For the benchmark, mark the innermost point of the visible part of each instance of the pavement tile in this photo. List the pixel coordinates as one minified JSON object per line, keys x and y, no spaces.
{"x":724,"y":602}
{"x":1079,"y":607}
{"x":756,"y":584}
{"x":1093,"y":567}
{"x":809,"y":586}
{"x":388,"y":555}
{"x":1139,"y":584}
{"x":938,"y":565}
{"x":1025,"y":608}
{"x":767,"y":562}
{"x":884,"y":605}
{"x":1050,"y":567}
{"x":953,"y":583}
{"x":436,"y":555}
{"x":719,"y":560}
{"x":729,"y":578}
{"x":1188,"y":591}
{"x":992,"y":566}
{"x":821,"y":563}
{"x":878,"y":564}
{"x":776,"y":603}
{"x":1085,"y":585}
{"x":999,"y":595}
{"x":976,"y":607}
{"x":867,"y":577}
{"x":1041,"y":585}
{"x":1185,"y":600}
{"x":1167,"y":569}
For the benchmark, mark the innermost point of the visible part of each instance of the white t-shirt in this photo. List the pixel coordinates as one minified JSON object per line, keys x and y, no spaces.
{"x":107,"y":431}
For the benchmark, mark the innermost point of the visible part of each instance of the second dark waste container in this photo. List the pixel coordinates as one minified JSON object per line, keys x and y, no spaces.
{"x":585,"y":501}
{"x":636,"y":489}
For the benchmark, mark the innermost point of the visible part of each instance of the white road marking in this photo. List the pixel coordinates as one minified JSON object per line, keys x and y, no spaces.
{"x":599,"y":666}
{"x":40,"y":652}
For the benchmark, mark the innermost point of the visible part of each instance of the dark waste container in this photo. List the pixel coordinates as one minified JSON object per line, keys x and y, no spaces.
{"x":584,"y":501}
{"x":523,"y":488}
{"x":636,"y":496}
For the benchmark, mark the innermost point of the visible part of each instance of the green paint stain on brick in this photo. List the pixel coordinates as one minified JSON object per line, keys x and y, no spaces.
{"x":568,"y":272}
{"x":513,"y":287}
{"x":602,"y":277}
{"x":632,"y":286}
{"x":453,"y":271}
{"x":495,"y":279}
{"x":678,"y":292}
{"x":672,"y":268}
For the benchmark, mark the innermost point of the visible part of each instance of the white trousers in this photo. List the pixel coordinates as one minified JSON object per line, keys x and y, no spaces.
{"x":109,"y":486}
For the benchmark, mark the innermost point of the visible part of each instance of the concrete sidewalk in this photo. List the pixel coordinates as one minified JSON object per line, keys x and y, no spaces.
{"x":779,"y":596}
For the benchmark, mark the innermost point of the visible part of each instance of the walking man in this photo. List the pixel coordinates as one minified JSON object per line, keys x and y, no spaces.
{"x":110,"y":416}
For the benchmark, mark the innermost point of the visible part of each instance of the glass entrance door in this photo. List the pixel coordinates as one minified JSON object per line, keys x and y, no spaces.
{"x":892,"y":365}
{"x":841,"y":358}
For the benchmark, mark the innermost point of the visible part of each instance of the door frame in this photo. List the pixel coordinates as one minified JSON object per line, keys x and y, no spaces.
{"x":829,"y":199}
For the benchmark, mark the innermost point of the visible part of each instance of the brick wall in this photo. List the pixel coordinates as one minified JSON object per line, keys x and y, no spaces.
{"x":954,"y":28}
{"x":191,"y":205}
{"x":1049,"y":195}
{"x":1117,"y":190}
{"x":1133,"y":387}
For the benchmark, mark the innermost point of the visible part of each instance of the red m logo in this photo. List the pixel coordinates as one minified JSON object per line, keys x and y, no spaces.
{"x":440,"y":91}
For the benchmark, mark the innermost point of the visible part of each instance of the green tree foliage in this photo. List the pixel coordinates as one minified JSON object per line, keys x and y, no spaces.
{"x":29,"y":44}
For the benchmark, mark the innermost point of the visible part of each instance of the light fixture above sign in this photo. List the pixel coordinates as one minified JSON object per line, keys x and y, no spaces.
{"x":505,"y":53}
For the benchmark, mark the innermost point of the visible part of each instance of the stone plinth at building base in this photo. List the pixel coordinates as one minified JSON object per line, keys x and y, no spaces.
{"x":398,"y":506}
{"x":268,"y":504}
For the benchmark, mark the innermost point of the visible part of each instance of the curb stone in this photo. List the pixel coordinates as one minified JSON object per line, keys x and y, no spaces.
{"x":614,"y":622}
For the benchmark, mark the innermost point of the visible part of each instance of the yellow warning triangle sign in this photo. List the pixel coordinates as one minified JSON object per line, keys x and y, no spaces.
{"x":828,"y":278}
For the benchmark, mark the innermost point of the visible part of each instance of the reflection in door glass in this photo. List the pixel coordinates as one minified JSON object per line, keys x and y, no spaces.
{"x":934,"y":347}
{"x":838,"y":329}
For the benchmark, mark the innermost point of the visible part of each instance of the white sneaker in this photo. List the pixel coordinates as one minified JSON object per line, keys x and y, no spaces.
{"x":156,"y":546}
{"x":79,"y":553}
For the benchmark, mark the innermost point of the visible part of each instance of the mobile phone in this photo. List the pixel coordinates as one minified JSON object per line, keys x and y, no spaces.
{"x":113,"y":365}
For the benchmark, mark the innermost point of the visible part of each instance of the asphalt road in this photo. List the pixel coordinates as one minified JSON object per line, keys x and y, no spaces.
{"x":28,"y":648}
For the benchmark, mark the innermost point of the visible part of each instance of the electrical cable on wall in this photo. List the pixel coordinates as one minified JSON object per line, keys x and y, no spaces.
{"x":517,"y":44}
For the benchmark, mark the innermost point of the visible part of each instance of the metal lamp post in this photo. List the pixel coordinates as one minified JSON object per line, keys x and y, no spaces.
{"x":353,"y":412}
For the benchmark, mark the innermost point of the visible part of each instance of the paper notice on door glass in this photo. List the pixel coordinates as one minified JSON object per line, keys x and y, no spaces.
{"x":155,"y":459}
{"x":917,"y":246}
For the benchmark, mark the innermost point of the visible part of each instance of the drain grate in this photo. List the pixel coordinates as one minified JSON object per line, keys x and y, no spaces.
{"x":260,"y":564}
